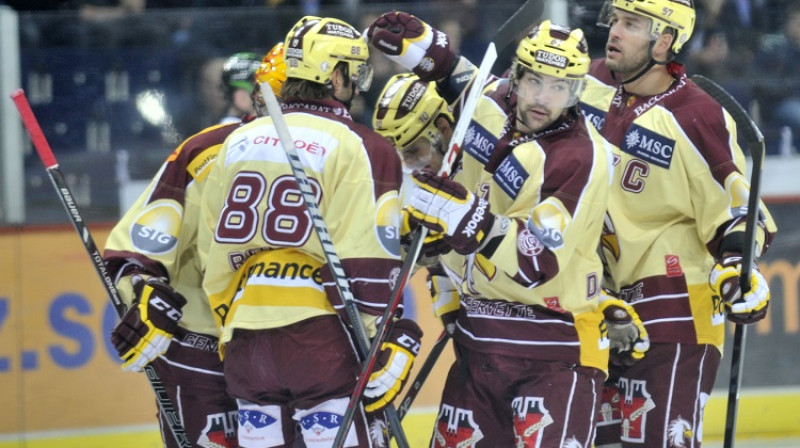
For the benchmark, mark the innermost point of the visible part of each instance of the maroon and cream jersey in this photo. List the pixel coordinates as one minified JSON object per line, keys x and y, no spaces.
{"x":157,"y":236}
{"x":535,"y":295}
{"x":679,"y":188}
{"x":264,"y":265}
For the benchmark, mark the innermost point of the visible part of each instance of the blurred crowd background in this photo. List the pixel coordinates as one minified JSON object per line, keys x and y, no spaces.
{"x":116,"y":85}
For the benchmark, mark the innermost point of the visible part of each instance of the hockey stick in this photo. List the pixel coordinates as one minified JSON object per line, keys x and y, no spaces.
{"x":335,"y":264}
{"x":416,"y":245}
{"x":755,"y":144}
{"x":423,"y":373}
{"x":59,"y":183}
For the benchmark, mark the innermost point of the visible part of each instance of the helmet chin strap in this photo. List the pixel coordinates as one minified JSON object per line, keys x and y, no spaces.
{"x":646,"y":68}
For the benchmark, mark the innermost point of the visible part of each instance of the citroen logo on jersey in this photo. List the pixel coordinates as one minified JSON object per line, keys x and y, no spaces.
{"x":649,"y":146}
{"x":155,"y":230}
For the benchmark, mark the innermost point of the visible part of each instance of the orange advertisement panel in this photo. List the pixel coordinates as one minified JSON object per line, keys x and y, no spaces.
{"x":57,"y":368}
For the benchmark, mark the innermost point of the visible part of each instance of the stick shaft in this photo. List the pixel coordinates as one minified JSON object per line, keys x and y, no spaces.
{"x":755,"y":144}
{"x":67,"y":200}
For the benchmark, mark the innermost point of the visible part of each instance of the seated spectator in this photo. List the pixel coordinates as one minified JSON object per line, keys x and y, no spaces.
{"x":778,"y":88}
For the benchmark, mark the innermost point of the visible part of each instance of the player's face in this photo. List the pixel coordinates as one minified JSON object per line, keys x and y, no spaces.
{"x":628,"y":46}
{"x":422,"y":153}
{"x":541,"y":99}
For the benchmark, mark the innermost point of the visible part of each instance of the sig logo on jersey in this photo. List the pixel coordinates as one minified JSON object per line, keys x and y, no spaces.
{"x":388,"y":223}
{"x":155,"y":230}
{"x":478,"y":142}
{"x":649,"y":146}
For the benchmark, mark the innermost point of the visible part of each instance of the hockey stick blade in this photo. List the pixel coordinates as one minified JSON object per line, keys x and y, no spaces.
{"x":755,"y":144}
{"x":335,"y":264}
{"x":67,"y":200}
{"x":524,"y":17}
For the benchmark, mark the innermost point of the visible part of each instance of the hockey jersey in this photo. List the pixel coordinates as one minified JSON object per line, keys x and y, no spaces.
{"x":264,"y":265}
{"x":157,"y":236}
{"x":678,"y":190}
{"x":535,"y":295}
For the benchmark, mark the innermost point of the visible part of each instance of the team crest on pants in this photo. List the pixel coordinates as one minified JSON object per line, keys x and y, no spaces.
{"x":455,"y":427}
{"x":220,"y":431}
{"x":609,"y":406}
{"x":530,"y":419}
{"x":636,"y":403}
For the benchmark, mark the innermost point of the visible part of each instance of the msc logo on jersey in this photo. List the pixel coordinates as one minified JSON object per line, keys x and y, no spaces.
{"x":510,"y":176}
{"x":649,"y":146}
{"x":595,"y":116}
{"x":155,"y":230}
{"x":388,"y":223}
{"x":479,"y":143}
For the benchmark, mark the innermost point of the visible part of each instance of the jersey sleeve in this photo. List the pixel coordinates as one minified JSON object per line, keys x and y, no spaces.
{"x":157,"y":235}
{"x":713,"y":134}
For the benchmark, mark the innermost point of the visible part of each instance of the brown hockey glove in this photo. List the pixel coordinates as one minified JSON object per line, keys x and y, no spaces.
{"x":146,"y":330}
{"x":413,"y":44}
{"x":724,"y":280}
{"x":393,"y":365}
{"x":626,"y":333}
{"x":443,"y":205}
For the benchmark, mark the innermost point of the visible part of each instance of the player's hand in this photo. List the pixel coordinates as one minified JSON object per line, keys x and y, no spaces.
{"x":446,"y":300}
{"x":413,"y":44}
{"x":393,"y":365}
{"x":433,"y":245}
{"x":443,"y":205}
{"x":724,"y":280}
{"x":147,"y":328}
{"x":626,"y":333}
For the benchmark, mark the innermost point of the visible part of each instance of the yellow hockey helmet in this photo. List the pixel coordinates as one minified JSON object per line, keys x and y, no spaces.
{"x":676,"y":14}
{"x":407,"y":109}
{"x":315,"y":45}
{"x":555,"y":51}
{"x":273,"y":69}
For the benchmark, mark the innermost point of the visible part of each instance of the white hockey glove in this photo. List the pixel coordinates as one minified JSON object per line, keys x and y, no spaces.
{"x":443,"y":205}
{"x":445,"y":296}
{"x":626,"y":333}
{"x":393,"y":365}
{"x":413,"y":44}
{"x":147,"y":328}
{"x":724,"y":280}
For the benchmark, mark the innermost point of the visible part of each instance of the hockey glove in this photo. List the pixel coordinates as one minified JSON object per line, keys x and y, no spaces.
{"x":433,"y":245}
{"x":626,"y":333}
{"x":724,"y":280}
{"x":446,"y":300}
{"x":393,"y":365}
{"x":147,"y":328}
{"x":443,"y":205}
{"x":413,"y":44}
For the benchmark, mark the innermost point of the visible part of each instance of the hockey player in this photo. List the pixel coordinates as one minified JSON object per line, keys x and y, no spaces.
{"x":152,"y":255}
{"x":288,"y":359}
{"x":416,"y":119}
{"x":676,"y":213}
{"x":523,"y":217}
{"x":237,"y":85}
